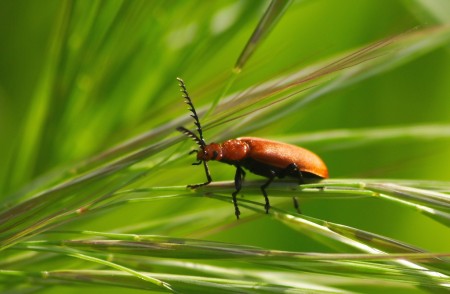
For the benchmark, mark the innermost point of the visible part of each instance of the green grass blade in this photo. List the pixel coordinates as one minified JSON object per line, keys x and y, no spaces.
{"x":272,"y":15}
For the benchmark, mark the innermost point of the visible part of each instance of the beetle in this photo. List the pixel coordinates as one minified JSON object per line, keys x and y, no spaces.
{"x":263,"y":157}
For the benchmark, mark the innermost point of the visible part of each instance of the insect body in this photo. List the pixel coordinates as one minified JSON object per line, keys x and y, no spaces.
{"x":263,"y":157}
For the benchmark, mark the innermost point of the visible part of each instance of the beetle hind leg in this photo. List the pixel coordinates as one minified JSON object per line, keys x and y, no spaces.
{"x":292,"y":169}
{"x":296,"y":206}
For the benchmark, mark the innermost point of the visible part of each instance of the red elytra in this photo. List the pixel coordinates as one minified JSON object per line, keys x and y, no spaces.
{"x":263,"y":157}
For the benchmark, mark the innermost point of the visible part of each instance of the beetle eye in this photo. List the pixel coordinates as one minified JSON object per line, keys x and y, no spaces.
{"x":215,"y":154}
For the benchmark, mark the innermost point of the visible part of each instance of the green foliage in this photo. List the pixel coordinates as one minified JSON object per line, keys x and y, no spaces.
{"x":93,"y":174}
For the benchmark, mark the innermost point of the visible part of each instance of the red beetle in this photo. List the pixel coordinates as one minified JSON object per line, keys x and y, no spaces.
{"x":263,"y":157}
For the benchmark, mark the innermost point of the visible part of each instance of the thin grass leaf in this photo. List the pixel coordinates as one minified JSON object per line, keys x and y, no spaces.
{"x":278,"y":259}
{"x":25,"y":157}
{"x":182,"y":284}
{"x":436,"y":11}
{"x":169,"y":247}
{"x":370,"y":135}
{"x":272,"y":15}
{"x":75,"y":254}
{"x":349,"y":69}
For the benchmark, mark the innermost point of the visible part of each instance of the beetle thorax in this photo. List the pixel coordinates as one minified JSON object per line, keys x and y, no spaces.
{"x":229,"y":151}
{"x":234,"y":150}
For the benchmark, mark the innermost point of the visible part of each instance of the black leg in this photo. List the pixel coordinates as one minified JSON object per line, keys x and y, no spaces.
{"x":243,"y":178}
{"x":243,"y":174}
{"x":301,"y":181}
{"x":208,"y":177}
{"x":296,"y":206}
{"x":239,"y":176}
{"x":263,"y":189}
{"x":292,"y":169}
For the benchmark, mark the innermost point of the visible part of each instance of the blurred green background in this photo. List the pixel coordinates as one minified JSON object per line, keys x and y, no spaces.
{"x":78,"y":77}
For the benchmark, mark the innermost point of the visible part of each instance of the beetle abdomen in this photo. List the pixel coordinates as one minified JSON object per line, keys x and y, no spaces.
{"x":267,"y":154}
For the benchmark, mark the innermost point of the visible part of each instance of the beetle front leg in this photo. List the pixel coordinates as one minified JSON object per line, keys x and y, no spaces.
{"x":208,"y":177}
{"x":240,"y":174}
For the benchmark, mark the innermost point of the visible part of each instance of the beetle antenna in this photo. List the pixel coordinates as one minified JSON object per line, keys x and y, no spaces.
{"x":191,"y":135}
{"x":198,"y":139}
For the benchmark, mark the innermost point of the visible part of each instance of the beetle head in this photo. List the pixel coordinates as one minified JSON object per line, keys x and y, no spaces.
{"x":212,"y":151}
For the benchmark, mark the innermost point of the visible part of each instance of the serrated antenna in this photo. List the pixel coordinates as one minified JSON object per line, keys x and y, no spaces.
{"x":192,"y":136}
{"x":198,"y":139}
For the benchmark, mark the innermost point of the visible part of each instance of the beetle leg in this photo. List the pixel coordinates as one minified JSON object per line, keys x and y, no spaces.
{"x":293,"y":169}
{"x":301,"y":180}
{"x":263,"y":189}
{"x":238,"y":178}
{"x":243,"y":178}
{"x":208,"y":177}
{"x":296,"y":206}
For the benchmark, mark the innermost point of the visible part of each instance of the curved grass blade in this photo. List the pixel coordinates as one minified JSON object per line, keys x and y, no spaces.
{"x":370,"y":135}
{"x":20,"y":221}
{"x":25,"y":155}
{"x":270,"y":18}
{"x":179,"y":283}
{"x":169,"y":248}
{"x":346,"y":70}
{"x":79,"y":255}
